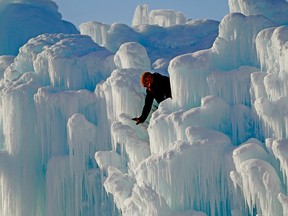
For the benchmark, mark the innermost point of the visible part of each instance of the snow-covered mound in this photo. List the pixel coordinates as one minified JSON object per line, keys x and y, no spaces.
{"x":22,"y":20}
{"x":160,"y":42}
{"x":218,"y":147}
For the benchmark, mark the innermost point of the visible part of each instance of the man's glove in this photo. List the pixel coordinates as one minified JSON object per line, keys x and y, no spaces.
{"x":137,"y":120}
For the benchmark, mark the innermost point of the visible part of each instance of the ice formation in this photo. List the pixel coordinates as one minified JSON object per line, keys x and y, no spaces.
{"x":23,"y":20}
{"x":160,"y":42}
{"x":166,"y":18}
{"x":160,"y":17}
{"x":254,"y":7}
{"x":218,"y":147}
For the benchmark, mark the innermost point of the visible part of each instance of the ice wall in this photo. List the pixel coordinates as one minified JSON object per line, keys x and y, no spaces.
{"x":171,"y":175}
{"x":218,"y":147}
{"x":257,"y":178}
{"x":271,"y":104}
{"x":230,"y":94}
{"x":45,"y":97}
{"x":161,"y":42}
{"x":29,"y":19}
{"x":230,"y":50}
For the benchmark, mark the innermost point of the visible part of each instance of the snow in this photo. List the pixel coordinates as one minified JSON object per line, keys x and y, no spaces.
{"x":68,"y":145}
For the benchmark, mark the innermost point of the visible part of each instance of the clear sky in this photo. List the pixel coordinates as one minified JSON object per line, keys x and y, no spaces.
{"x":122,"y":11}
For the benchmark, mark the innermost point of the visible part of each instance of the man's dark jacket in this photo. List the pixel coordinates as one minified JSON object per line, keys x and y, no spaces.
{"x":160,"y":90}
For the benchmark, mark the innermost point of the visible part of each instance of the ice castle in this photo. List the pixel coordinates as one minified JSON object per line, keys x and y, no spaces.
{"x":67,"y":97}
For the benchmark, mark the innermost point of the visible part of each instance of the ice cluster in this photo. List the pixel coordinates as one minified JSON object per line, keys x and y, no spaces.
{"x":160,"y":17}
{"x":218,"y":147}
{"x":21,"y":20}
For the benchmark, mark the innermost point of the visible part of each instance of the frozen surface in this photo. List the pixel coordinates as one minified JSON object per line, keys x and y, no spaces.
{"x":161,"y":43}
{"x":23,"y":20}
{"x":217,"y":148}
{"x":254,"y":7}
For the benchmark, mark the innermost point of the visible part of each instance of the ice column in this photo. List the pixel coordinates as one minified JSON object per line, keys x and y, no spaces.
{"x":22,"y":177}
{"x":185,"y":178}
{"x":257,"y":178}
{"x":271,"y":104}
{"x":85,"y":175}
{"x":140,"y":15}
{"x":122,"y":90}
{"x":96,"y":30}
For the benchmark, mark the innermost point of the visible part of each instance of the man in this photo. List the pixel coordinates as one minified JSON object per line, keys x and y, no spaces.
{"x":157,"y":87}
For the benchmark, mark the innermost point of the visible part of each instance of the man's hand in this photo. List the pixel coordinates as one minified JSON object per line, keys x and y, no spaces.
{"x":137,"y":120}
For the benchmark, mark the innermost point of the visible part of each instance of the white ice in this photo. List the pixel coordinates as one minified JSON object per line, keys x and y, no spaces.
{"x":217,"y":147}
{"x":15,"y":16}
{"x":161,"y":17}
